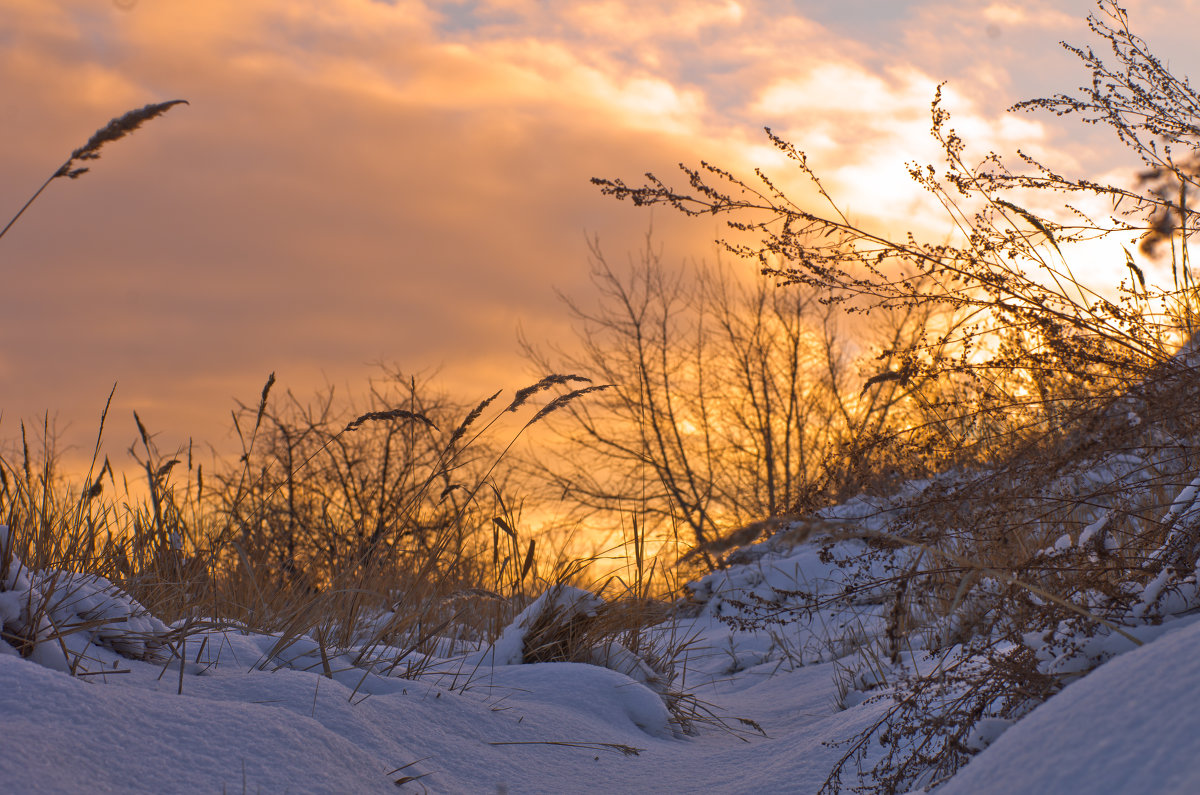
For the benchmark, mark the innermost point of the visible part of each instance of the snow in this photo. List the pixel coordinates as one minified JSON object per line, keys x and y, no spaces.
{"x":64,"y":734}
{"x":249,"y":713}
{"x":1129,"y":726}
{"x":236,"y":728}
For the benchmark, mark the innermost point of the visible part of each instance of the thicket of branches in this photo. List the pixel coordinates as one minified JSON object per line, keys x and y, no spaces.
{"x":733,"y":402}
{"x":1057,"y":412}
{"x":1023,"y":344}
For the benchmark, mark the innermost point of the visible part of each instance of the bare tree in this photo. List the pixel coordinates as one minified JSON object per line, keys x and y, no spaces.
{"x":733,"y":401}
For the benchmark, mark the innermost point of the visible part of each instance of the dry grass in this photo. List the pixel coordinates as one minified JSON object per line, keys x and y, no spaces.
{"x":380,"y":537}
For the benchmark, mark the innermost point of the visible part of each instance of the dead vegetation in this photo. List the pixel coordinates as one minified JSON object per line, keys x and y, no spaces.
{"x":1060,"y":518}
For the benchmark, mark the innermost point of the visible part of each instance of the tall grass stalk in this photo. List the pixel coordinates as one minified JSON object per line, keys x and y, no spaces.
{"x":115,"y":130}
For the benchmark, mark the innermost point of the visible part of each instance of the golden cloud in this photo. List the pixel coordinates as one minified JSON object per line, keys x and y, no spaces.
{"x":362,"y":181}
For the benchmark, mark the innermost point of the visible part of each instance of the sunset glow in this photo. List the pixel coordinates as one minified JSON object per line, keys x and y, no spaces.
{"x":358,"y":182}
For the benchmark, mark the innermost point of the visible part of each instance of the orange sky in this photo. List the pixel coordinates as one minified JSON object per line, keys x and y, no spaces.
{"x":361,"y":181}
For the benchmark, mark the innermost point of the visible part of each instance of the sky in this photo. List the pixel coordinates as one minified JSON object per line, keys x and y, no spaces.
{"x":366,"y":182}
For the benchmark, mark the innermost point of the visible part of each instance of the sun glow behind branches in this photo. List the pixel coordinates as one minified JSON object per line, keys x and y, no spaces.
{"x":360,"y":181}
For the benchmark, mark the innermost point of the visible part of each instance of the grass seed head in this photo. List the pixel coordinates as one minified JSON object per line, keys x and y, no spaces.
{"x":523,"y":395}
{"x":115,"y":130}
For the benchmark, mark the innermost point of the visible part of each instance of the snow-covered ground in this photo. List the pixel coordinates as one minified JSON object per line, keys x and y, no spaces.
{"x":1129,"y":726}
{"x":243,"y":716}
{"x":237,"y":719}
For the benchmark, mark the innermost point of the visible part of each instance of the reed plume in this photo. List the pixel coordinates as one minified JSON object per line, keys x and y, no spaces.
{"x":115,"y":130}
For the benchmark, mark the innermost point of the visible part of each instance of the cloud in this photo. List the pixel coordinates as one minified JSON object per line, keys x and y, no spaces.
{"x":1025,"y":15}
{"x":360,"y":181}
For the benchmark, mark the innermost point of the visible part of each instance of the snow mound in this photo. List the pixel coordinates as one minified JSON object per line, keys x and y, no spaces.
{"x":1122,"y":728}
{"x":607,"y":696}
{"x":568,"y":602}
{"x":560,"y":626}
{"x":57,"y":616}
{"x":68,"y":735}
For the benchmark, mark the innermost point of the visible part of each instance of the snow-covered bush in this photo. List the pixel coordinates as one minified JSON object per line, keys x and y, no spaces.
{"x":567,"y":624}
{"x":53,"y":617}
